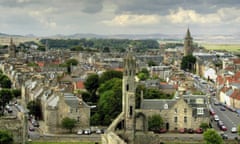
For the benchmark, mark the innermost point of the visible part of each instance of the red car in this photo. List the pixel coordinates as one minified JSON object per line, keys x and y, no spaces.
{"x":182,"y":130}
{"x":199,"y":131}
{"x":223,"y":128}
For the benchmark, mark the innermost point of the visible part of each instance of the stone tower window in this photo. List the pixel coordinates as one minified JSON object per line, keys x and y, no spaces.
{"x":131,"y":111}
{"x":127,"y":87}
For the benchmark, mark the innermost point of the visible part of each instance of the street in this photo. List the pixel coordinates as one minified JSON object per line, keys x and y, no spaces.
{"x":229,"y":118}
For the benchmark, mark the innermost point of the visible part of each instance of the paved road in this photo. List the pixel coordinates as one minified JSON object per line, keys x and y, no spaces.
{"x":229,"y":118}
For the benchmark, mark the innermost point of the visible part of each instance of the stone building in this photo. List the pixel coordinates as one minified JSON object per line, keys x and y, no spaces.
{"x":12,"y":49}
{"x":188,"y":44}
{"x":186,"y":111}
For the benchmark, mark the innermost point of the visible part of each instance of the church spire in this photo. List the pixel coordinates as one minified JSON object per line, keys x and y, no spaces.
{"x":188,"y":44}
{"x":188,"y":34}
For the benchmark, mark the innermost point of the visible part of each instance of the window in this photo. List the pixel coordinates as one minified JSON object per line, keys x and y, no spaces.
{"x":127,"y":87}
{"x":131,"y":111}
{"x":200,"y":111}
{"x":175,"y":110}
{"x":185,"y":119}
{"x":175,"y":119}
{"x":78,"y":119}
{"x":165,"y":106}
{"x":185,"y":110}
{"x":76,"y":110}
{"x":200,"y":101}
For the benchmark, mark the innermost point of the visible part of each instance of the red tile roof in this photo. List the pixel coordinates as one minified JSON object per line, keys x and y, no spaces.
{"x":236,"y":94}
{"x":80,"y":85}
{"x":118,"y":69}
{"x":236,"y":61}
{"x":41,"y":64}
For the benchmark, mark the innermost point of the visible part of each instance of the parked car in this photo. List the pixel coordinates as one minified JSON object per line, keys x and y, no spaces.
{"x":199,"y":131}
{"x":98,"y":131}
{"x":190,"y":130}
{"x":36,"y":124}
{"x":182,"y":130}
{"x":31,"y":128}
{"x":216,"y":118}
{"x":220,"y":123}
{"x":80,"y":132}
{"x":87,"y":131}
{"x":234,"y":130}
{"x":224,"y":136}
{"x":222,"y":108}
{"x":223,"y":128}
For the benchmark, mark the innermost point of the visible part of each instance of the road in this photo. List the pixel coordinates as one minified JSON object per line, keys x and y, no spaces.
{"x":229,"y":118}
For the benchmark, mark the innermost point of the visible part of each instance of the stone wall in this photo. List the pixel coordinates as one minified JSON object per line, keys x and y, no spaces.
{"x":111,"y":138}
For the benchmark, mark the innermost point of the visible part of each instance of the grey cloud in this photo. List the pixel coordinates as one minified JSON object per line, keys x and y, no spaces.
{"x":92,"y":6}
{"x":162,"y":6}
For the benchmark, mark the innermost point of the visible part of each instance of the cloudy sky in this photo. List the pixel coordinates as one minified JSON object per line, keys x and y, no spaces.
{"x":50,"y":17}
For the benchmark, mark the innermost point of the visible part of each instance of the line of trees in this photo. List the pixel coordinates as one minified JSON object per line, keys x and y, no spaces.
{"x":100,"y":44}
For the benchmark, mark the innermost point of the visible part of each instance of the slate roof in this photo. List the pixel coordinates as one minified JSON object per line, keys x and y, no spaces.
{"x":71,"y":100}
{"x":157,"y":103}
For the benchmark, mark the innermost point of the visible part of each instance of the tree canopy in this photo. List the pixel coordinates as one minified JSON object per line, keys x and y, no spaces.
{"x":92,"y":84}
{"x":107,"y":75}
{"x":110,"y":102}
{"x":143,"y":74}
{"x":68,"y":123}
{"x":5,"y":82}
{"x":5,"y":97}
{"x":188,"y":63}
{"x":155,"y":122}
{"x":5,"y":137}
{"x":212,"y":137}
{"x":34,"y":108}
{"x":104,"y":45}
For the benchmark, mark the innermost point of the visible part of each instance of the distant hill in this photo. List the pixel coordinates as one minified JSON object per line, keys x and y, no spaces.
{"x":231,"y":38}
{"x":9,"y":35}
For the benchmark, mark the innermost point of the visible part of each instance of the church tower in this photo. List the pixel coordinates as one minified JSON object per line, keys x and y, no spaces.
{"x":188,"y":44}
{"x":128,"y":91}
{"x":12,"y":49}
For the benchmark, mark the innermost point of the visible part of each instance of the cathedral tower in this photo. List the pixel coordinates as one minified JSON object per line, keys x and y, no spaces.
{"x":188,"y":44}
{"x":128,"y":91}
{"x":12,"y":49}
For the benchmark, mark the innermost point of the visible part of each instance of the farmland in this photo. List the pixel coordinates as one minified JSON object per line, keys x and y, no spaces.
{"x":223,"y":47}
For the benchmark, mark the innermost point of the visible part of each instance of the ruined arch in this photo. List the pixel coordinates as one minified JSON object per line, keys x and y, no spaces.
{"x":141,"y":122}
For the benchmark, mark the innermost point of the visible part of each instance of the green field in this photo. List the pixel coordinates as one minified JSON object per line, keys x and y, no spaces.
{"x":226,"y":47}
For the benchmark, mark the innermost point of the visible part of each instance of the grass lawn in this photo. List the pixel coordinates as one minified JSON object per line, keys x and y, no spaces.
{"x":227,"y":47}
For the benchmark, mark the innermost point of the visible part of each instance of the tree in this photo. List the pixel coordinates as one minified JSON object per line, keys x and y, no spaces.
{"x":106,"y":50}
{"x":16,"y":93}
{"x":143,"y":74}
{"x":110,"y":102}
{"x":212,"y":137}
{"x":5,"y":97}
{"x":70,"y":62}
{"x":107,"y":75}
{"x":92,"y":84}
{"x":188,"y":63}
{"x":204,"y":126}
{"x":68,"y":123}
{"x":5,"y":82}
{"x":6,"y":137}
{"x":155,"y":122}
{"x":34,"y":108}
